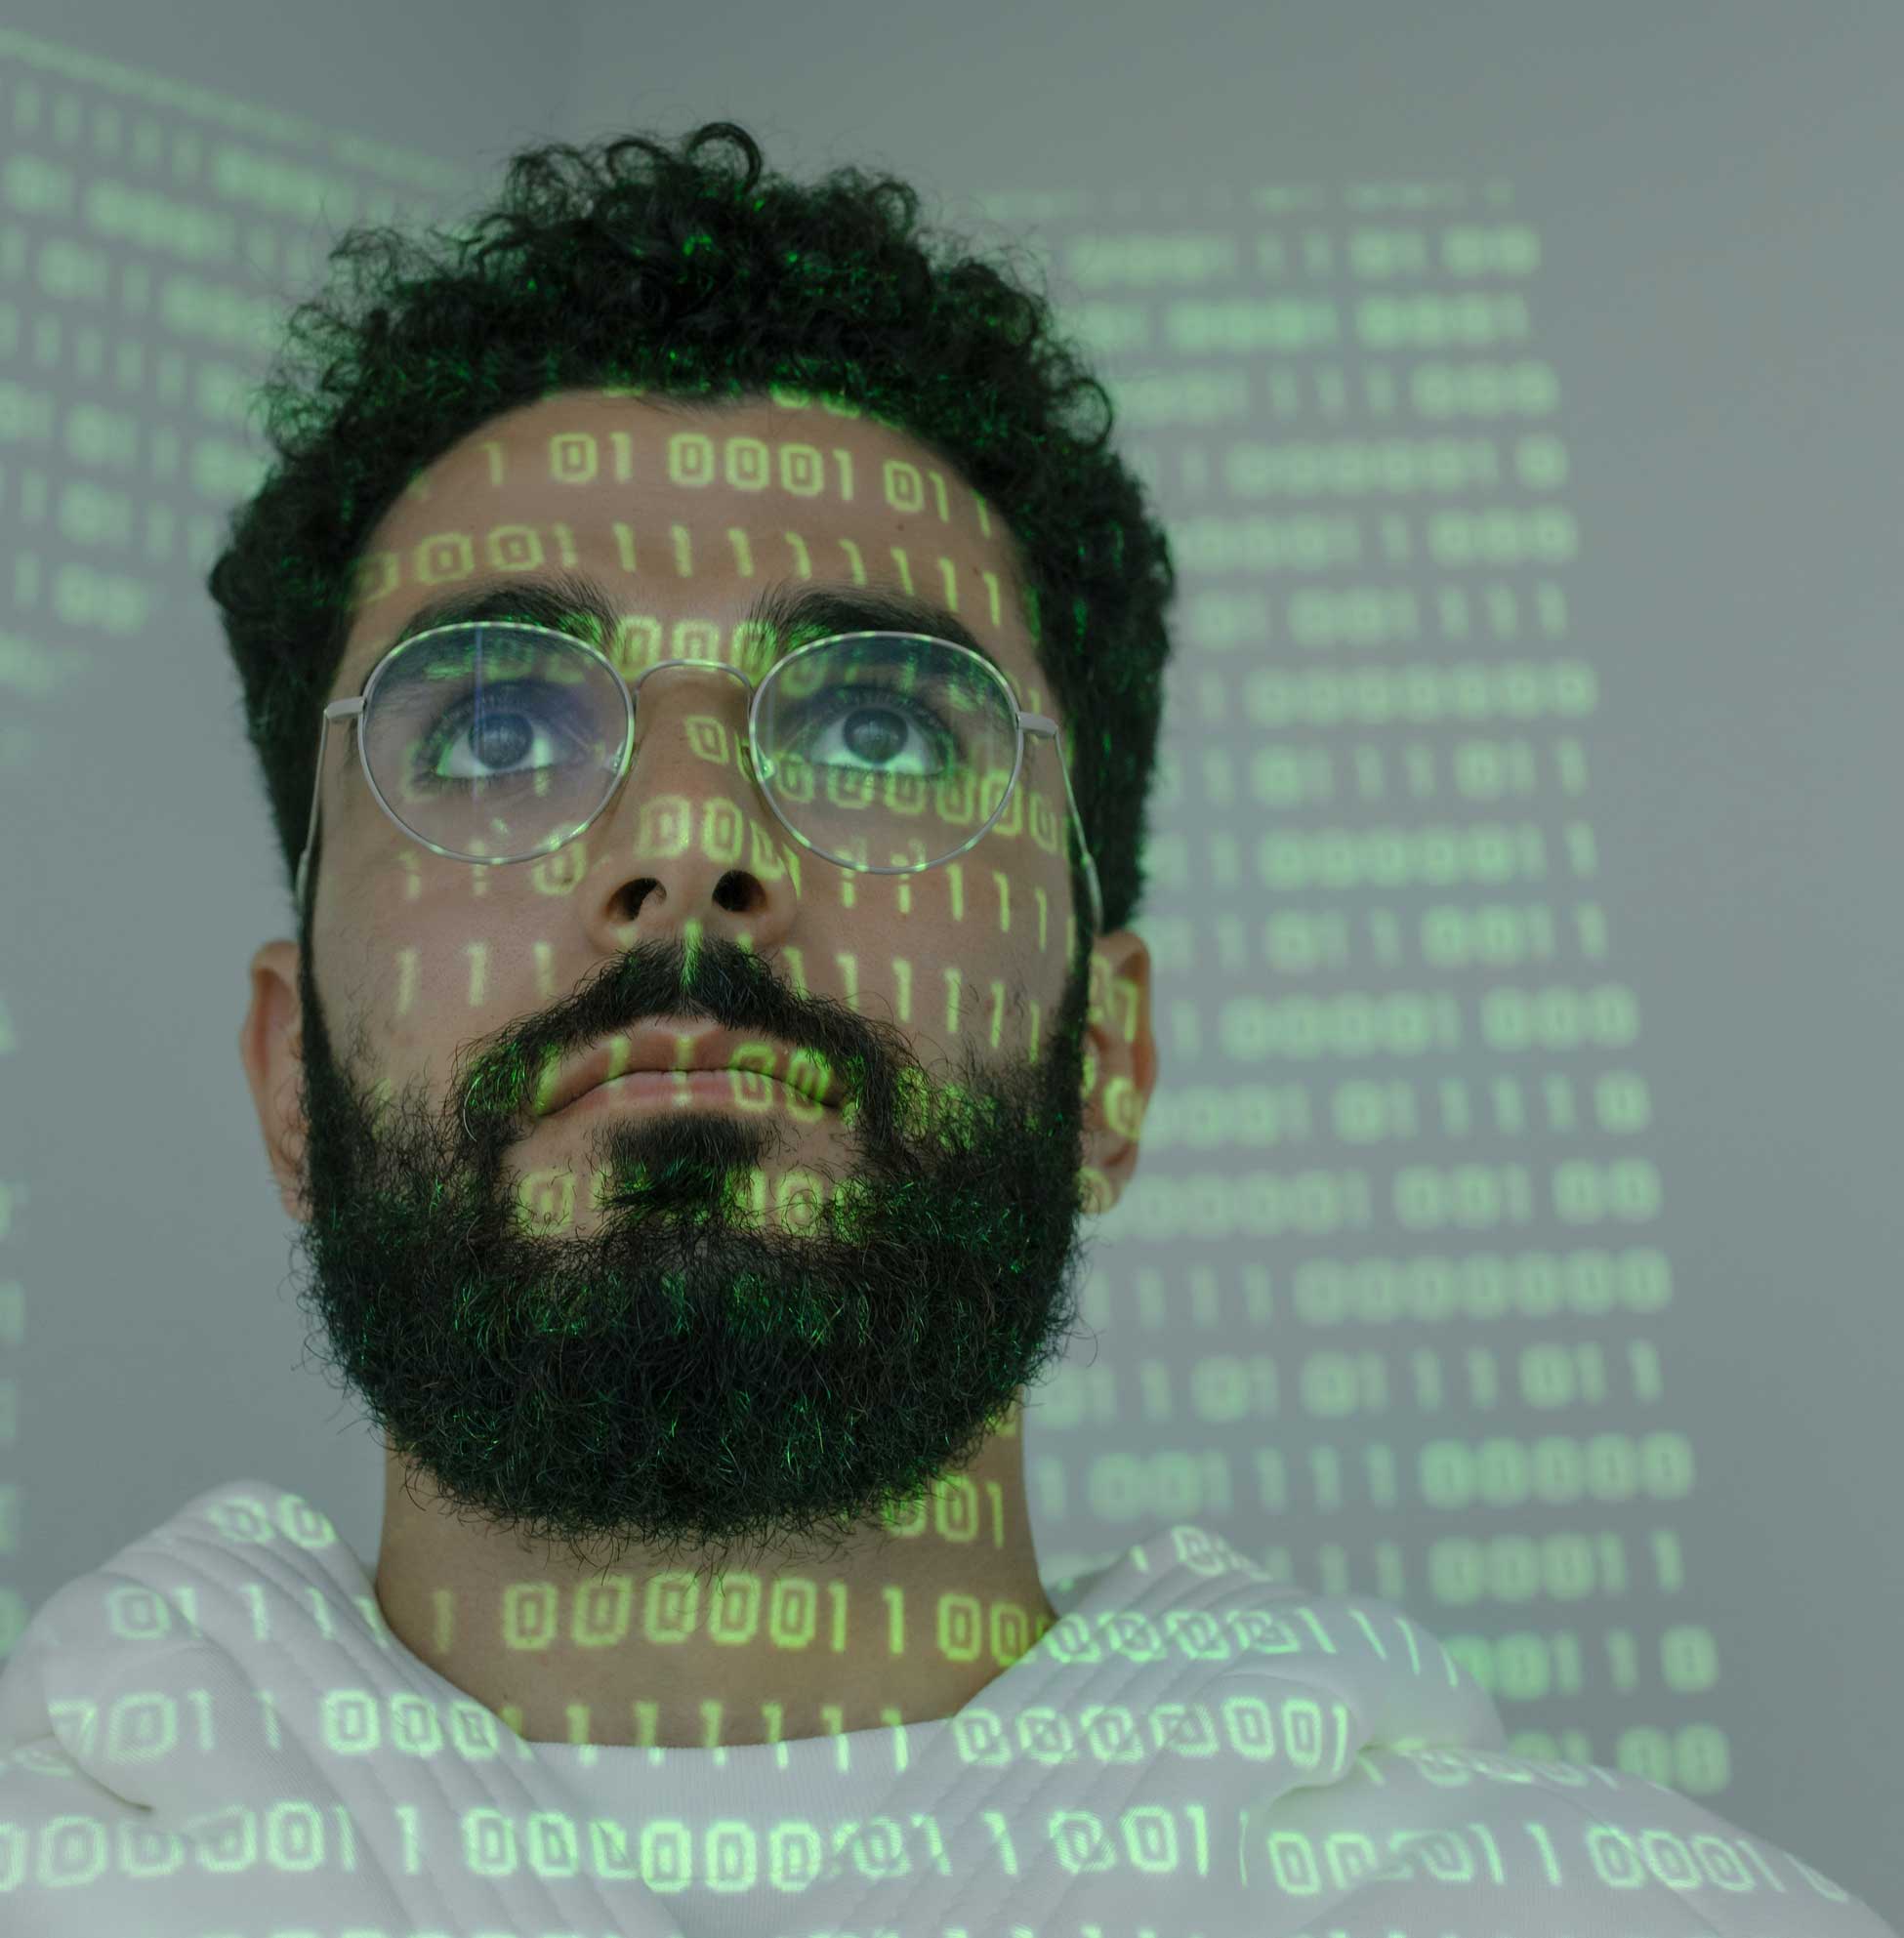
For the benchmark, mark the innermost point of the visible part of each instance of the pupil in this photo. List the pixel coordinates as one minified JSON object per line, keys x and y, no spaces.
{"x":874,"y":734}
{"x":500,"y":740}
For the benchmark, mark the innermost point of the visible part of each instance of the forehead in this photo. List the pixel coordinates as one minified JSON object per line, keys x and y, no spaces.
{"x":684,"y":515}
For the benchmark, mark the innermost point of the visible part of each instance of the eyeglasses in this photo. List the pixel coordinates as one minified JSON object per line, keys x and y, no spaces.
{"x":507,"y":691}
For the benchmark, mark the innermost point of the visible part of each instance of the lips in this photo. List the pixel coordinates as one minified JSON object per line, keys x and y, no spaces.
{"x":680,"y":1046}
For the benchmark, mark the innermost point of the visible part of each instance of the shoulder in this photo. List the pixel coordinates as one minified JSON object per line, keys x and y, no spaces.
{"x":1460,"y":1836}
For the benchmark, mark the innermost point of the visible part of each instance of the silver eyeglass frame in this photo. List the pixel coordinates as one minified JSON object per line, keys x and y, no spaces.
{"x":1037,"y":727}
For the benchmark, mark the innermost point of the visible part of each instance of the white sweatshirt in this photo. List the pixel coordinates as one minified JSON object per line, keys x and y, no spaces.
{"x":215,"y":1736}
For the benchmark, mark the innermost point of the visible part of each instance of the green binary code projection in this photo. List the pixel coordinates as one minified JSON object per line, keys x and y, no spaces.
{"x":152,"y":237}
{"x":1367,"y":1597}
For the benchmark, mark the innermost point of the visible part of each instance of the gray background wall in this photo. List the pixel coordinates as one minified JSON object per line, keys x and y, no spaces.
{"x":1686,"y":221}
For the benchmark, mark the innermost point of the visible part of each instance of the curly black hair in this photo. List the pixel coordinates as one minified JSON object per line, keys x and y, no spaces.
{"x":632,"y":264}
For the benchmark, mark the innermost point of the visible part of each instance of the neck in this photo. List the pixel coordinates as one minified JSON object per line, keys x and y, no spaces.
{"x":904,"y":1630}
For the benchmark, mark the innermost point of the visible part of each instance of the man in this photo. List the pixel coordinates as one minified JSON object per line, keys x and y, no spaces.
{"x":674,"y":1351}
{"x":703,"y":1039}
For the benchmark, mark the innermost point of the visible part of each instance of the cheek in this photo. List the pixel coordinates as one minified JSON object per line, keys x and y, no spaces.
{"x":424,"y":982}
{"x":950,"y":954}
{"x":1023,"y":885}
{"x":411,"y":937}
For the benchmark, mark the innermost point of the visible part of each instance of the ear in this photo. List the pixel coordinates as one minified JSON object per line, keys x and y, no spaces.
{"x":1120,"y":1062}
{"x":270,"y":1045}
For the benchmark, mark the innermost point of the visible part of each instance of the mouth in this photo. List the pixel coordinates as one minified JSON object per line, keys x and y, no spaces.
{"x":673,"y":1060}
{"x":747,"y":1091}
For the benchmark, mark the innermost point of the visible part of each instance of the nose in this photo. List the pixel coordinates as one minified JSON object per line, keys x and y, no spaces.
{"x":642,"y":696}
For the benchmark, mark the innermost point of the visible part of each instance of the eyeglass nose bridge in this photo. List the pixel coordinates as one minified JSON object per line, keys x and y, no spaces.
{"x":635,"y":686}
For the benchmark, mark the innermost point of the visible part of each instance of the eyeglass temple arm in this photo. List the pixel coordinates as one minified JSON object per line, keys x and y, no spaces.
{"x":334,"y":710}
{"x":1040,"y":726}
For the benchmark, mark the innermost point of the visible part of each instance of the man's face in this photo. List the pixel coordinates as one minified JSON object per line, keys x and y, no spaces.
{"x":658,"y":1320}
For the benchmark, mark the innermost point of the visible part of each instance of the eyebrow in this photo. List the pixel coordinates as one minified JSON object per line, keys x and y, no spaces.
{"x":785,"y":610}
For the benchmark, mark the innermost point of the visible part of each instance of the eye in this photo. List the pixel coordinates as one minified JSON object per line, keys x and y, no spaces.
{"x":485,"y":737}
{"x":874,"y":726}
